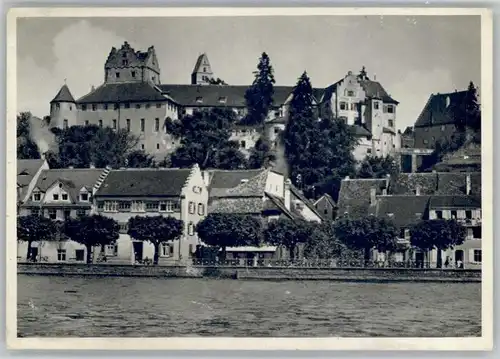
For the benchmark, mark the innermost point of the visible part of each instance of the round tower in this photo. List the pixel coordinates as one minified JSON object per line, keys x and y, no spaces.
{"x":63,"y":111}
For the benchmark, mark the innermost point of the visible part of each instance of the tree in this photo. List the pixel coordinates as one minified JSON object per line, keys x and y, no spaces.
{"x":26,"y":147}
{"x":439,"y":234}
{"x":91,"y":231}
{"x":261,"y":155}
{"x":156,"y":230}
{"x":367,"y":233}
{"x":323,"y":244}
{"x":288,"y":233}
{"x":205,"y":140}
{"x":319,"y":152}
{"x":139,"y":159}
{"x":81,"y":146}
{"x":217,"y":81}
{"x":468,"y":112}
{"x":377,"y":167}
{"x":35,"y":228}
{"x":224,"y":230}
{"x":259,"y":96}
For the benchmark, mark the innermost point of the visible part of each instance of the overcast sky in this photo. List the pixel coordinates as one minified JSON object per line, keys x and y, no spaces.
{"x":410,"y":57}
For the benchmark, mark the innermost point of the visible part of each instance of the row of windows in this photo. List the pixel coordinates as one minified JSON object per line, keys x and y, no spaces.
{"x":454,"y":214}
{"x":37,"y":196}
{"x":126,"y":105}
{"x":138,"y":206}
{"x":192,"y":208}
{"x":114,"y":124}
{"x":52,"y":213}
{"x":133,"y":73}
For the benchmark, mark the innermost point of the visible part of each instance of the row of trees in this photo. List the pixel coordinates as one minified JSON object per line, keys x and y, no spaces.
{"x":98,"y":231}
{"x":220,"y":231}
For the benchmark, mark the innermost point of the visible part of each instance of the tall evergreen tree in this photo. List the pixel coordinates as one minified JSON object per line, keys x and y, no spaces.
{"x":26,"y":147}
{"x":259,"y":96}
{"x":318,"y":152}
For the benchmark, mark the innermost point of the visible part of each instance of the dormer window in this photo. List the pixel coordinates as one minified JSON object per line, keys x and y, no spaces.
{"x":84,"y":197}
{"x":222,"y":99}
{"x":199,"y":99}
{"x":64,"y":196}
{"x":55,"y":196}
{"x":37,"y":197}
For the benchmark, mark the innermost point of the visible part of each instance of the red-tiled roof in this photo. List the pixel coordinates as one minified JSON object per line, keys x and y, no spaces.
{"x":64,"y":95}
{"x":144,"y":182}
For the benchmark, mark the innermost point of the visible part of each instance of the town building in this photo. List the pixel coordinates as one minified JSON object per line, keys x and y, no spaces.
{"x":410,"y":198}
{"x":60,"y":194}
{"x":178,"y":193}
{"x":438,"y":120}
{"x":326,"y":206}
{"x":28,"y":172}
{"x":263,"y":193}
{"x":132,"y":97}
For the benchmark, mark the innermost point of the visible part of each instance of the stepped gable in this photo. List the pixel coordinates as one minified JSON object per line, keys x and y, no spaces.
{"x":354,"y":195}
{"x":373,"y":89}
{"x":73,"y":180}
{"x":123,"y":92}
{"x":144,"y":182}
{"x":126,"y":52}
{"x":64,"y":95}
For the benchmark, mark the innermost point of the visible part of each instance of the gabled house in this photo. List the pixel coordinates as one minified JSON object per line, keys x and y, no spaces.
{"x":179,"y":193}
{"x":28,"y":172}
{"x":59,"y":194}
{"x":326,"y":206}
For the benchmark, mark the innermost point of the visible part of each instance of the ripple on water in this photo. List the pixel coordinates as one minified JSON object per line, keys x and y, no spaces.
{"x":147,"y":307}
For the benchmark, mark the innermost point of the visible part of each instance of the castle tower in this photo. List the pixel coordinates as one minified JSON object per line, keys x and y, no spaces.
{"x":202,"y":72}
{"x":127,"y":65}
{"x":63,"y":111}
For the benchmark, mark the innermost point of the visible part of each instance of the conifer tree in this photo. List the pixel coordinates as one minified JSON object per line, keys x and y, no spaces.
{"x":259,"y":96}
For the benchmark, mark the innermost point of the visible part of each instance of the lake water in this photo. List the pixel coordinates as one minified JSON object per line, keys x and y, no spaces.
{"x":152,"y":307}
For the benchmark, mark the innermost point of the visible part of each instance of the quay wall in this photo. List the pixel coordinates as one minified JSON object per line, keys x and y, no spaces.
{"x":256,"y":273}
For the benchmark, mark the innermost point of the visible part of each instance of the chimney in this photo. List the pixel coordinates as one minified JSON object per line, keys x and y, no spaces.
{"x":287,"y":194}
{"x":467,"y":184}
{"x":384,"y":192}
{"x":374,"y":77}
{"x":417,"y":190}
{"x":92,"y":88}
{"x":346,"y":178}
{"x":373,"y":196}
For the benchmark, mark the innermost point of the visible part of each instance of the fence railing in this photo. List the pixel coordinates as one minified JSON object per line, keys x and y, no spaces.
{"x":316,"y":263}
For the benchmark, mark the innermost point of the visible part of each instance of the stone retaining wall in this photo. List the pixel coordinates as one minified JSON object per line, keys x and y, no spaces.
{"x":255,"y":273}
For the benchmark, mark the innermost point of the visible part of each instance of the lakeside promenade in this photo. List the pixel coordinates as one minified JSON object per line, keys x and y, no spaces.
{"x":346,"y":274}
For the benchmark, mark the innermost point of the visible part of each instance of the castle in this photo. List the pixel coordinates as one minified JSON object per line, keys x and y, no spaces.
{"x":133,"y":97}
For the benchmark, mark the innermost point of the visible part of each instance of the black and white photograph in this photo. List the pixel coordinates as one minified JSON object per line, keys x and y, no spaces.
{"x":191,"y":175}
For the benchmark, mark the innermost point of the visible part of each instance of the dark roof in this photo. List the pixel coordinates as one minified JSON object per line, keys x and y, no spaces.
{"x":73,"y":180}
{"x":354,"y":195}
{"x":144,"y":182}
{"x":372,"y":89}
{"x":435,"y":183}
{"x":403,"y":210}
{"x":123,"y":92}
{"x":26,"y":170}
{"x":406,"y":183}
{"x":275,"y":203}
{"x":230,"y":179}
{"x":437,"y":113}
{"x":468,"y":155}
{"x":220,"y":95}
{"x":360,"y":131}
{"x":238,"y":205}
{"x":455,"y":202}
{"x":64,"y":95}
